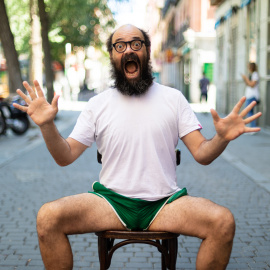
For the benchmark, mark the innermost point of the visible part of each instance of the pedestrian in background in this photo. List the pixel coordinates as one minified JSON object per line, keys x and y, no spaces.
{"x":204,"y":86}
{"x":252,"y":88}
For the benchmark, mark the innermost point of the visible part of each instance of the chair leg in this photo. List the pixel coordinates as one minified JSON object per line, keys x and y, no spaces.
{"x":173,"y":250}
{"x":102,"y":252}
{"x":163,"y":261}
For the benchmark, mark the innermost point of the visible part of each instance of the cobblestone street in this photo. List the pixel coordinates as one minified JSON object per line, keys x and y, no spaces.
{"x":31,"y":178}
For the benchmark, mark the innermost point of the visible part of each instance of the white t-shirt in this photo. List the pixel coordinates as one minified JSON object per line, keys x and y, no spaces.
{"x":137,"y":137}
{"x":253,"y":92}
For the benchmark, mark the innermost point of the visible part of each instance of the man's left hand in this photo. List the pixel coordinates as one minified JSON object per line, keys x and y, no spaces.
{"x":234,"y":125}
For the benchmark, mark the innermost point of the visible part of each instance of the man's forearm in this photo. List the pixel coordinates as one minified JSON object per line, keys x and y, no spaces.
{"x":209,"y":150}
{"x":56,"y":144}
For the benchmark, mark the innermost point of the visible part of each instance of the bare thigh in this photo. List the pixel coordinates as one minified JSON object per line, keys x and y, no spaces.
{"x":190,"y":216}
{"x":80,"y":213}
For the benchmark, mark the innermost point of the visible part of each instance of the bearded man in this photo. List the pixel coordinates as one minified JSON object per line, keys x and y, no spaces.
{"x":136,"y":125}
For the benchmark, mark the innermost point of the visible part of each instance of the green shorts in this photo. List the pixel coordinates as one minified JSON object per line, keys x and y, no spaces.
{"x":135,"y":214}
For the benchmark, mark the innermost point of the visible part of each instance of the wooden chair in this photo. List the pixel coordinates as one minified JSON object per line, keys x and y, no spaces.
{"x":166,"y":243}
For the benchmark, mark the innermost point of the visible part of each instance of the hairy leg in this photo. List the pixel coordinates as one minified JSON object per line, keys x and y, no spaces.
{"x":204,"y":219}
{"x":83,"y":213}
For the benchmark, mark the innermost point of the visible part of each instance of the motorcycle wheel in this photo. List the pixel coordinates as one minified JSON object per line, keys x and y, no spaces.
{"x":3,"y":125}
{"x":20,"y":125}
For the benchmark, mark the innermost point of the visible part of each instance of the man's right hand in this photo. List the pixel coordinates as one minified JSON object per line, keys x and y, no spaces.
{"x":40,"y":111}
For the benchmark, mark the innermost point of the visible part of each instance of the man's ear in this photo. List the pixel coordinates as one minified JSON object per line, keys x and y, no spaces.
{"x":110,"y":54}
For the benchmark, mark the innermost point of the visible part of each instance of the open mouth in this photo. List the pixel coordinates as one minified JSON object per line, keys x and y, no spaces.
{"x":131,"y":67}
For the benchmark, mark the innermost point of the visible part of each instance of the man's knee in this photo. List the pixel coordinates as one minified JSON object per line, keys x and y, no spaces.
{"x":47,"y":220}
{"x":224,"y":224}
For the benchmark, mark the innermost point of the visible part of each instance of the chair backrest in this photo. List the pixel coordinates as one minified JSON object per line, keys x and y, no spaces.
{"x":177,"y":153}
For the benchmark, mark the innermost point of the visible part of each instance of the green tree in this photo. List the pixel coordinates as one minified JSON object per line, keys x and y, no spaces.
{"x":35,"y":69}
{"x":81,"y":23}
{"x":19,"y":21}
{"x":44,"y":20}
{"x":7,"y":39}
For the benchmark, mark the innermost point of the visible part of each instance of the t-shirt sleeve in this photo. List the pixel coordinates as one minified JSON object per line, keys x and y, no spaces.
{"x":84,"y":130}
{"x":255,"y":76}
{"x":187,"y":120}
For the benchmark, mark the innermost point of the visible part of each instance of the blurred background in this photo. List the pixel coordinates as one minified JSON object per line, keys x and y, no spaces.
{"x":63,"y":45}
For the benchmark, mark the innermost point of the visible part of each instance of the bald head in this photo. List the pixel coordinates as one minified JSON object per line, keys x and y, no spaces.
{"x":127,"y":29}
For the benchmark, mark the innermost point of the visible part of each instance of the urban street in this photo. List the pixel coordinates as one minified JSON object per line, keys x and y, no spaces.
{"x":239,"y":179}
{"x":212,"y":51}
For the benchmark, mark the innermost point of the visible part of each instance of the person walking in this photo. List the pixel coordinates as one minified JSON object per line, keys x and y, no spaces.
{"x":204,"y":87}
{"x":252,"y":89}
{"x":136,"y":125}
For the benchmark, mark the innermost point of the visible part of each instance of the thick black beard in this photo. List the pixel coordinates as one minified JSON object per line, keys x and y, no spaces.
{"x":132,"y":87}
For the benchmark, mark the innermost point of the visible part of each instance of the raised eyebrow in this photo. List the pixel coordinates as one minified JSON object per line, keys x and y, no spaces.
{"x":121,"y":39}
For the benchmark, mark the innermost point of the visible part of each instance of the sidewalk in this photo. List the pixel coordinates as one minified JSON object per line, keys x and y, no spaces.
{"x":249,"y":153}
{"x":12,"y":145}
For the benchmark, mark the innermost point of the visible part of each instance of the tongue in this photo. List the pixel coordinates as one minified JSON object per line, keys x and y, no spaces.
{"x":131,"y":67}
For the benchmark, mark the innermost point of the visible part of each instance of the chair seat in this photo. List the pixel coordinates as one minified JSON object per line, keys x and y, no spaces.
{"x":137,"y":235}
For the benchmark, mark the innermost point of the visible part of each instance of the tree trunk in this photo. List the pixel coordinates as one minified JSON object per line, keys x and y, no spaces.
{"x":46,"y":49}
{"x":36,"y":44}
{"x":7,"y":39}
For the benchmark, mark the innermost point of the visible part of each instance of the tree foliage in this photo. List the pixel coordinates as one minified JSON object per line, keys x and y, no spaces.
{"x":7,"y":40}
{"x":79,"y":22}
{"x":19,"y":20}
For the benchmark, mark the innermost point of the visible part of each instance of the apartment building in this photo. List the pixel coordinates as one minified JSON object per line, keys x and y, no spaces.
{"x":183,"y":43}
{"x":243,"y":35}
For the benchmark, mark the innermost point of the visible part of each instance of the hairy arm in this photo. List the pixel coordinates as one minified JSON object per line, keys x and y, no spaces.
{"x":204,"y":151}
{"x":227,"y":129}
{"x":64,"y":151}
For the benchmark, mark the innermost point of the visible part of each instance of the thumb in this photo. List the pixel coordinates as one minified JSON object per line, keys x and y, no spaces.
{"x":215,"y":115}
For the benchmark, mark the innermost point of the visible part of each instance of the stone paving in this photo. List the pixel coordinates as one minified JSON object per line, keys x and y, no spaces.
{"x":31,"y":178}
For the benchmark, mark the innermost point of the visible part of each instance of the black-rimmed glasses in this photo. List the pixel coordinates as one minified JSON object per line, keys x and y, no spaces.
{"x":135,"y":45}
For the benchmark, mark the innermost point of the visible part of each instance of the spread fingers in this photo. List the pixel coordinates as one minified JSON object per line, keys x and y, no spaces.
{"x":29,"y":89}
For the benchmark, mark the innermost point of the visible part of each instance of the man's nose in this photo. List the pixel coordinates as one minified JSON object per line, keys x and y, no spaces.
{"x":128,"y":49}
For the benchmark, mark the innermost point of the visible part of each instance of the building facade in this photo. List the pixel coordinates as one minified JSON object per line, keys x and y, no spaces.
{"x":183,"y":43}
{"x":242,"y":36}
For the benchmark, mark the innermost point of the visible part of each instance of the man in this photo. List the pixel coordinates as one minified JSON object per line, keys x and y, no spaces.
{"x":136,"y":126}
{"x":204,"y":85}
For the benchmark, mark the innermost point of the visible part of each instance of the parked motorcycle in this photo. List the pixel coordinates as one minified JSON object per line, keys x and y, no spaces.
{"x":12,"y":118}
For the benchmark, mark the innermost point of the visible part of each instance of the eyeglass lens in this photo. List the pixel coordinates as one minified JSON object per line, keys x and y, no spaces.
{"x":134,"y":44}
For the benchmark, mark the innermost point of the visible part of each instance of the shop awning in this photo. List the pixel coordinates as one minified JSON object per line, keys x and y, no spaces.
{"x":230,"y":12}
{"x":245,"y":3}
